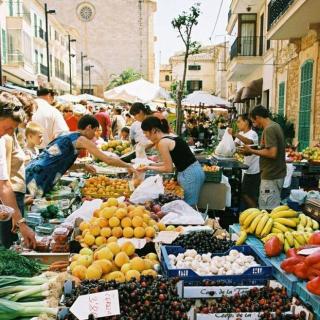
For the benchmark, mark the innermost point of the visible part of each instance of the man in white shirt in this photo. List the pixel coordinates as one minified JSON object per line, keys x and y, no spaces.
{"x":10,"y":117}
{"x":48,"y":117}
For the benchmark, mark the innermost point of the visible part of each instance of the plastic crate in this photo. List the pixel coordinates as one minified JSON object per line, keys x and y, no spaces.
{"x":289,"y":281}
{"x":314,"y":167}
{"x":309,"y":298}
{"x":253,"y":276}
{"x":213,"y":176}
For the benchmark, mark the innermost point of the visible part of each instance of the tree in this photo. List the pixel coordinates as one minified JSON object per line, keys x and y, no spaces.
{"x":127,"y":76}
{"x":184,"y":23}
{"x":174,"y":90}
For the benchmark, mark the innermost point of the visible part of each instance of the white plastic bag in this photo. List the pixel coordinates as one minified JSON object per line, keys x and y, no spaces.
{"x":148,"y":190}
{"x":179,"y":212}
{"x":226,"y":146}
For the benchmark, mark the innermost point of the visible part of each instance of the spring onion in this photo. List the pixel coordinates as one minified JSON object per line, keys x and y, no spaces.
{"x":10,"y":310}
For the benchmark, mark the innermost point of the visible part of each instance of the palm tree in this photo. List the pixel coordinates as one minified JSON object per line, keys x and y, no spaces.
{"x":128,"y":75}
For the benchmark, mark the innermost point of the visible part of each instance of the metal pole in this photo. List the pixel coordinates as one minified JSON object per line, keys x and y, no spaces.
{"x":70,"y":74}
{"x":81,"y":72}
{"x":89,"y":79}
{"x":47,"y":41}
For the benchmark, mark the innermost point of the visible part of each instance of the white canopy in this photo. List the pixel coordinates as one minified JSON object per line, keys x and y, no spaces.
{"x":68,"y":98}
{"x":204,"y":98}
{"x":90,"y":97}
{"x":136,"y":91}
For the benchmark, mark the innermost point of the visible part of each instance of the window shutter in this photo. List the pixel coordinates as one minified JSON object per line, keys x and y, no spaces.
{"x":281,"y":98}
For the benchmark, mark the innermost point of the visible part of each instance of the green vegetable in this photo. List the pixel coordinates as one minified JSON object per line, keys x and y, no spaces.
{"x":10,"y":310}
{"x":12,"y":263}
{"x":51,"y":212}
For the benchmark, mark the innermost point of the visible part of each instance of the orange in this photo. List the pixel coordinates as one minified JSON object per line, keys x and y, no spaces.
{"x":117,"y":232}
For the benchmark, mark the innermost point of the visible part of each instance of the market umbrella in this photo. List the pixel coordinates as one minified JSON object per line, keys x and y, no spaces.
{"x":68,"y":98}
{"x":137,"y":91}
{"x":90,"y":97}
{"x":204,"y":99}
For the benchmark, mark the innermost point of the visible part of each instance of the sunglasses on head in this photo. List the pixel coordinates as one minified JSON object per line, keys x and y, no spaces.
{"x":67,"y":110}
{"x":10,"y":108}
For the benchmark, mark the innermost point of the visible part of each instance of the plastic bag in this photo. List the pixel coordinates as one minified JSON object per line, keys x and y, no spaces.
{"x":141,"y":150}
{"x":179,"y":212}
{"x":148,"y":190}
{"x":298,"y":195}
{"x":226,"y":146}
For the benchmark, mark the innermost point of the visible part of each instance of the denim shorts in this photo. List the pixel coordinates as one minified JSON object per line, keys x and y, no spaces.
{"x":191,"y":180}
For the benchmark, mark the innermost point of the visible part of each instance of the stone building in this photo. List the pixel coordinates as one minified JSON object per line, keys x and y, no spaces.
{"x":165,"y":77}
{"x":114,"y":35}
{"x":297,"y":76}
{"x":201,"y":71}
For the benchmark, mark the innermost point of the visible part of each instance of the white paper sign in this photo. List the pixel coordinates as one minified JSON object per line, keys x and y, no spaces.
{"x":166,"y":237}
{"x":308,"y":251}
{"x":102,"y":304}
{"x":138,"y":243}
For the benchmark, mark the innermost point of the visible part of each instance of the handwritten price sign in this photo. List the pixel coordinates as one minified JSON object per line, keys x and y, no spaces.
{"x":102,"y":304}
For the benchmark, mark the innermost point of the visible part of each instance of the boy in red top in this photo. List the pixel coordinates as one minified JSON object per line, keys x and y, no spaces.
{"x":105,"y":122}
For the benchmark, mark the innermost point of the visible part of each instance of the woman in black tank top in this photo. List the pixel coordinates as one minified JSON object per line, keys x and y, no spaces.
{"x":174,"y":152}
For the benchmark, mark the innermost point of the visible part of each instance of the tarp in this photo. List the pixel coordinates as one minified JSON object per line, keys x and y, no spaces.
{"x":137,"y":91}
{"x":204,"y":99}
{"x":89,"y":97}
{"x":20,"y":89}
{"x":68,"y":98}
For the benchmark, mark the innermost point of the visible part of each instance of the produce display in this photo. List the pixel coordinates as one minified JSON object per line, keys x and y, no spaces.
{"x":207,"y":168}
{"x":156,"y":204}
{"x":117,"y":146}
{"x":116,"y":220}
{"x":104,"y":187}
{"x":172,"y":186}
{"x":312,"y":154}
{"x":239,"y":157}
{"x":233,"y":263}
{"x":265,"y":300}
{"x":294,"y":156}
{"x":204,"y":242}
{"x":145,"y":299}
{"x":292,"y":229}
{"x":112,"y":262}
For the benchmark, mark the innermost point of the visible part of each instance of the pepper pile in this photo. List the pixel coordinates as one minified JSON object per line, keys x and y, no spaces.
{"x":304,"y":267}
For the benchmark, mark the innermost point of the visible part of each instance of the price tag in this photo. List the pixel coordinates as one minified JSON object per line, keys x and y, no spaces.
{"x":166,"y":237}
{"x":308,"y":251}
{"x":102,"y":304}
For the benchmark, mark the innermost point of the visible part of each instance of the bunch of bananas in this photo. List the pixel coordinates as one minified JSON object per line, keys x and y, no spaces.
{"x":293,"y":229}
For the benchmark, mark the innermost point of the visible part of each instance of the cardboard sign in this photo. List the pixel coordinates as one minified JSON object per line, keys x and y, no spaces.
{"x":166,"y":237}
{"x":138,"y":243}
{"x":102,"y":304}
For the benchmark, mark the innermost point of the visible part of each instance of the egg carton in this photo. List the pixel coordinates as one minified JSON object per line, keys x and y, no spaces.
{"x":255,"y":275}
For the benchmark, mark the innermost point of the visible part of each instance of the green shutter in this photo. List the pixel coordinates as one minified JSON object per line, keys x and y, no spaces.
{"x":4,"y":46}
{"x":10,"y":5}
{"x":281,"y":98}
{"x":305,"y":104}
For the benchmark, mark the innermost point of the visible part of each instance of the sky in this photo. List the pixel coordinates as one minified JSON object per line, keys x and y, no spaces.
{"x":167,"y":38}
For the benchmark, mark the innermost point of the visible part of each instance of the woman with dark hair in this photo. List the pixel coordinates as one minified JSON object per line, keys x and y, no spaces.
{"x":140,"y":112}
{"x":251,"y":176}
{"x":43,"y":172}
{"x":174,"y":152}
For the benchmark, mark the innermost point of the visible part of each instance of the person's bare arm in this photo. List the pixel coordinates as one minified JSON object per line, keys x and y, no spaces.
{"x":270,"y":153}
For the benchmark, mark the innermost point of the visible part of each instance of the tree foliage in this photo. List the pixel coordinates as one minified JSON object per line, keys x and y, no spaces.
{"x":127,"y":76}
{"x":185,"y":23}
{"x":286,"y":125}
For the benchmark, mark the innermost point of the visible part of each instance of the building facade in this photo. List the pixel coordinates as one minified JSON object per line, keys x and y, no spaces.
{"x":165,"y":76}
{"x":115,"y":36}
{"x":201,"y":69}
{"x":24,"y":54}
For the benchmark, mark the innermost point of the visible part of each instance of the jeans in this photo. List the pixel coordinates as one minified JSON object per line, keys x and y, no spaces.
{"x":191,"y":180}
{"x":7,"y":237}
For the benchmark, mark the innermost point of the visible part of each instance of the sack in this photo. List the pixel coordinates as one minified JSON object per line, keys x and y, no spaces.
{"x":179,"y":212}
{"x":148,"y":190}
{"x":226,"y":146}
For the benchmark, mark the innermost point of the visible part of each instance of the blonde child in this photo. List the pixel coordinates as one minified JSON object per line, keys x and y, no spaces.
{"x":34,"y":139}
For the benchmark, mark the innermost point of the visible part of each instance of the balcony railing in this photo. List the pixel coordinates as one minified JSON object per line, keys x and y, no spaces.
{"x":25,"y":14}
{"x":247,"y":47}
{"x":276,"y":9}
{"x":15,"y":57}
{"x":43,"y":69}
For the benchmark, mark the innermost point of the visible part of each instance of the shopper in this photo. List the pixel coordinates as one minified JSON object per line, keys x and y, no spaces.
{"x":103,"y":117}
{"x":48,"y":117}
{"x":97,"y":137}
{"x":78,"y":111}
{"x":67,"y":111}
{"x":251,"y":177}
{"x":272,"y":158}
{"x":11,"y":115}
{"x":34,"y":134}
{"x":125,"y":134}
{"x":43,"y":172}
{"x":174,"y":152}
{"x":118,"y":122}
{"x":129,"y":120}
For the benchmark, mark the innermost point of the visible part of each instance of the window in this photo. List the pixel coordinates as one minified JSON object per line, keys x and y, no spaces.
{"x":56,"y":35}
{"x":35,"y":25}
{"x":36,"y":59}
{"x":50,"y":60}
{"x":56,"y":67}
{"x":10,"y":6}
{"x":305,"y":104}
{"x":41,"y":58}
{"x":4,"y":46}
{"x":281,"y":98}
{"x":85,"y":11}
{"x":194,"y":67}
{"x":194,"y":85}
{"x":167,"y":78}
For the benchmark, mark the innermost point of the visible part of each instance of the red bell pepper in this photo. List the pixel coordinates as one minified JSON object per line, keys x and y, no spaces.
{"x":300,"y":271}
{"x":289,"y":264}
{"x":313,"y":273}
{"x":313,"y":286}
{"x":273,"y":247}
{"x":315,"y":238}
{"x":313,"y":258}
{"x":292,"y":252}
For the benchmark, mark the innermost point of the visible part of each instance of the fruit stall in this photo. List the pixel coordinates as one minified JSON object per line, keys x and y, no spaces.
{"x":102,"y":254}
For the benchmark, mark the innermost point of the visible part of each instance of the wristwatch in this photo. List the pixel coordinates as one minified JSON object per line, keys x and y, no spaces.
{"x":19,"y":222}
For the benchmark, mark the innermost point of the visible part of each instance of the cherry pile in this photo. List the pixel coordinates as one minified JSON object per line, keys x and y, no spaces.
{"x":147,"y":299}
{"x":264,"y":299}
